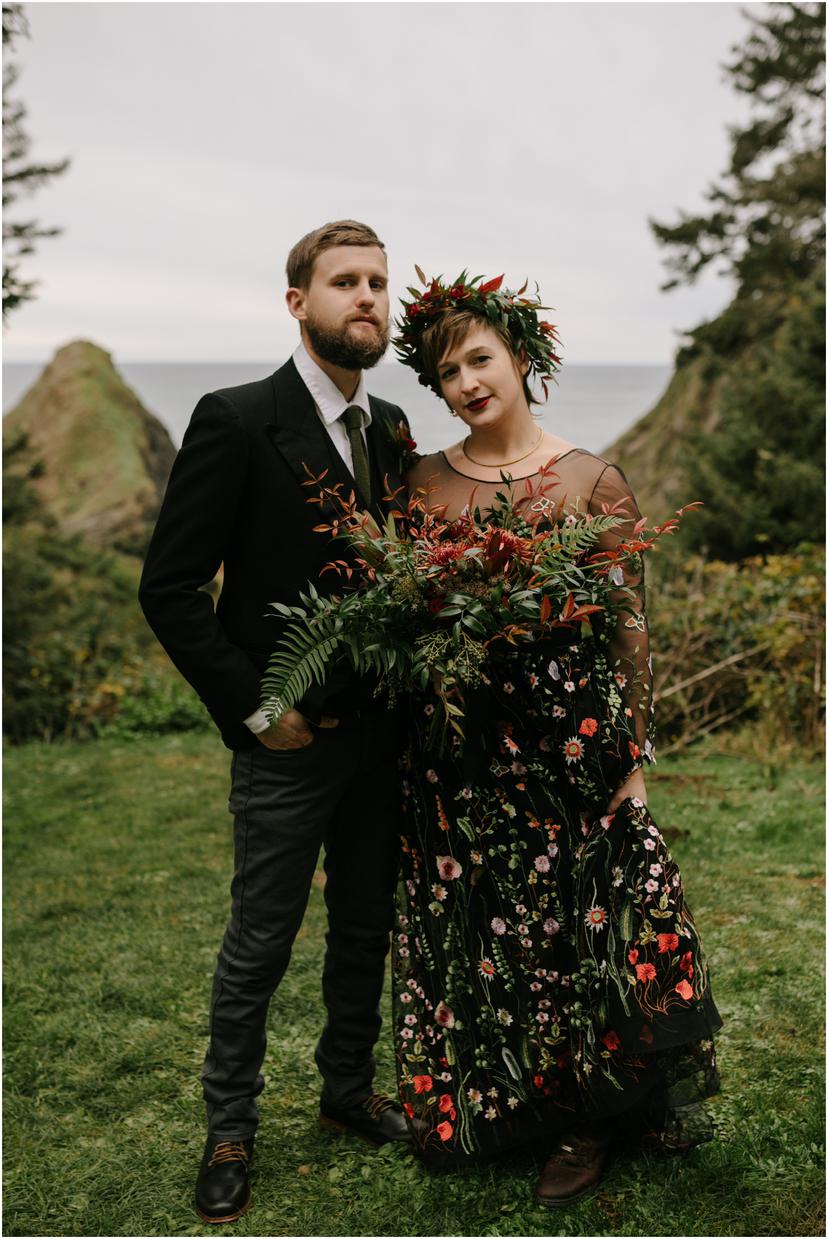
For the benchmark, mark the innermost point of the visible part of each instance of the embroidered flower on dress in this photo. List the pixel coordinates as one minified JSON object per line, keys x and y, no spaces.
{"x":573,"y":749}
{"x":595,"y":918}
{"x":448,"y":868}
{"x":444,"y":1015}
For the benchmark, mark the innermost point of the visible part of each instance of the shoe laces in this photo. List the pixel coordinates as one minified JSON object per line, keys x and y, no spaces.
{"x":577,"y":1151}
{"x":229,"y":1151}
{"x":377,"y":1104}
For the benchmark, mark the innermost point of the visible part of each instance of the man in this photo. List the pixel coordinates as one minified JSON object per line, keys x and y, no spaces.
{"x":324,"y":774}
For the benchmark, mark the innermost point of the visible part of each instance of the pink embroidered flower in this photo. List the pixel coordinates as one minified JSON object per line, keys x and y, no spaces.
{"x":551,"y":926}
{"x":443,"y":1015}
{"x":448,"y":868}
{"x":498,"y":926}
{"x":542,"y":864}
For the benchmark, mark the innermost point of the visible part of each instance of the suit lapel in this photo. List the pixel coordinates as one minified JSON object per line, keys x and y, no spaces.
{"x":298,"y":435}
{"x":382,"y":444}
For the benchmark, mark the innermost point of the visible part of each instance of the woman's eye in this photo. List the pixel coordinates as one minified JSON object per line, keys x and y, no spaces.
{"x":482,"y":358}
{"x":447,"y":374}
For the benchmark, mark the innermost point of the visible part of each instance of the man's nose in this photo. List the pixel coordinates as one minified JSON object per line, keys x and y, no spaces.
{"x":365,"y":294}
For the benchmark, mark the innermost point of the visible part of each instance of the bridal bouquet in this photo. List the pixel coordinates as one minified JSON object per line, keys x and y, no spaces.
{"x":426,"y":599}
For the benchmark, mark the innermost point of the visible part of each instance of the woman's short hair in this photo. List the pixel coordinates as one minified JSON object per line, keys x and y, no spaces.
{"x":303,"y":256}
{"x":450,"y":329}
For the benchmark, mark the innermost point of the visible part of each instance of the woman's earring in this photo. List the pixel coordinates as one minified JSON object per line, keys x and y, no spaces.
{"x":454,"y":413}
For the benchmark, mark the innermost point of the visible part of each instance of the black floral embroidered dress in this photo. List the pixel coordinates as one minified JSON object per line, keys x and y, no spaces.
{"x":545,"y":963}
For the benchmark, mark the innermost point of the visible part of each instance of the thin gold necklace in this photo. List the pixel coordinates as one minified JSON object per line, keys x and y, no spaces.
{"x":485,"y":464}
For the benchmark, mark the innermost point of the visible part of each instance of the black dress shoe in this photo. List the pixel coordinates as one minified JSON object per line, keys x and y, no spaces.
{"x":223,"y":1189}
{"x":377,"y":1119}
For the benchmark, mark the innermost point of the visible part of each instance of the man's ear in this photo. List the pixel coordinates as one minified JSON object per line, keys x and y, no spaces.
{"x":295,"y":300}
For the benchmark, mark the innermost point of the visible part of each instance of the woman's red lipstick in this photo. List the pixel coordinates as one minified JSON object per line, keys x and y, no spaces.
{"x":477,"y":405}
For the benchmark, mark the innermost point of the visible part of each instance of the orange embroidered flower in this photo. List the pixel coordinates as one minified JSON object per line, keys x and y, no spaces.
{"x":588,"y":727}
{"x":645,"y":972}
{"x":685,"y":989}
{"x":445,"y":1131}
{"x":667,"y":942}
{"x":423,"y":1084}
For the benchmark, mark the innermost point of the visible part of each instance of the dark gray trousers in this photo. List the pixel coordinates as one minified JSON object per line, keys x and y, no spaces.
{"x":341,"y":792}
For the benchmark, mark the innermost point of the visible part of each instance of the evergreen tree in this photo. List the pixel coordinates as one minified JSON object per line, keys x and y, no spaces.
{"x":761,"y":472}
{"x":20,"y":176}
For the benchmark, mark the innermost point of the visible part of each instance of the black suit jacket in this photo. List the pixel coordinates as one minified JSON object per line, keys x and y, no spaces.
{"x":236,"y":496}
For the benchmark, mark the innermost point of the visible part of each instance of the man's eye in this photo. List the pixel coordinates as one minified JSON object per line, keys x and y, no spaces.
{"x":378,"y":284}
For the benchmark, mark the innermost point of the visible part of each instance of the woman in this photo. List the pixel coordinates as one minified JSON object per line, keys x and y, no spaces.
{"x":549,"y":980}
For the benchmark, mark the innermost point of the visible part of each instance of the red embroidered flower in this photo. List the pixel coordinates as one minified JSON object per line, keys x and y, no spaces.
{"x":646,"y":1035}
{"x":667,"y":942}
{"x":645,"y":972}
{"x":445,"y":1131}
{"x":409,"y":1109}
{"x":611,"y":1041}
{"x":685,"y":989}
{"x":538,"y":1081}
{"x":686,"y":963}
{"x":423,"y":1084}
{"x":632,"y":956}
{"x":445,"y":1103}
{"x":635,"y":751}
{"x":588,"y":727}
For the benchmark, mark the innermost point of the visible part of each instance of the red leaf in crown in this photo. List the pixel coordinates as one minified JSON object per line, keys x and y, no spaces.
{"x":491,"y":286}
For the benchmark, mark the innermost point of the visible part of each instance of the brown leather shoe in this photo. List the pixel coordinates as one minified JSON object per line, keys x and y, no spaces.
{"x":574,"y":1168}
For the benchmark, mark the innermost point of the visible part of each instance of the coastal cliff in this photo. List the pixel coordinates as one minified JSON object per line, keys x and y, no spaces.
{"x":97,"y":459}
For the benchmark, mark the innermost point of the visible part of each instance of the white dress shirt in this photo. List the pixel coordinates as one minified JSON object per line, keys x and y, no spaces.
{"x":330,"y":404}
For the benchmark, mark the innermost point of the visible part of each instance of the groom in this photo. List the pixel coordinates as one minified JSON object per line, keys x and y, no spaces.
{"x":324,"y":775}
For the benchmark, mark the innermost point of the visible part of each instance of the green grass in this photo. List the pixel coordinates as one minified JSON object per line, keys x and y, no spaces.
{"x":117,"y":863}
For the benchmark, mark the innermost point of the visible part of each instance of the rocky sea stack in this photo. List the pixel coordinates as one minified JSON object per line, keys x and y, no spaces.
{"x":100,"y":460}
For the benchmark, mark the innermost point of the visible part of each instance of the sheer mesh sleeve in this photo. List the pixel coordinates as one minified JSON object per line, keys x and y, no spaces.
{"x":629,"y":644}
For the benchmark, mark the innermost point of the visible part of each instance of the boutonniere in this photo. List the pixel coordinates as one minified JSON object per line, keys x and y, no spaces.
{"x":404,"y":447}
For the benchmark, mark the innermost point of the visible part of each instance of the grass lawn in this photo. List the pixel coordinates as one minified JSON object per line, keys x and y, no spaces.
{"x":117,"y":864}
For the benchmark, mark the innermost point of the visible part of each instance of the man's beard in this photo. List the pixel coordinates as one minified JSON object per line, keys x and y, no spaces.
{"x":339,"y":348}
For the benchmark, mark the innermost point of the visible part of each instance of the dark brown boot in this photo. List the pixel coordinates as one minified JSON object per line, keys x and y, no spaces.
{"x":574,"y":1169}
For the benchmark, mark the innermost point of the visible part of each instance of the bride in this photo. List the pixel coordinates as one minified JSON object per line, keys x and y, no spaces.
{"x":550,"y":986}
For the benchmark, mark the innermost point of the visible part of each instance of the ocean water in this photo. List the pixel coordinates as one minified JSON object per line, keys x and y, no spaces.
{"x":590,"y":405}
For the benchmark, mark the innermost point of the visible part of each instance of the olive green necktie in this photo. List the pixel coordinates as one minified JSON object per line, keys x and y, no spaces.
{"x":352,"y":420}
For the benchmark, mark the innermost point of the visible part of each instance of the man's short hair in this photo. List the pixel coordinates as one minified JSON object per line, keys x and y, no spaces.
{"x":304,"y":254}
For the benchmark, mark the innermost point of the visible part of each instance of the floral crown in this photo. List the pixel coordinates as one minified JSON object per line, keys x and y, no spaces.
{"x":533,"y":338}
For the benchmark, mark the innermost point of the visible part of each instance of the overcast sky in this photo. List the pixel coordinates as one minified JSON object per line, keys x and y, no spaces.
{"x":205,"y":139}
